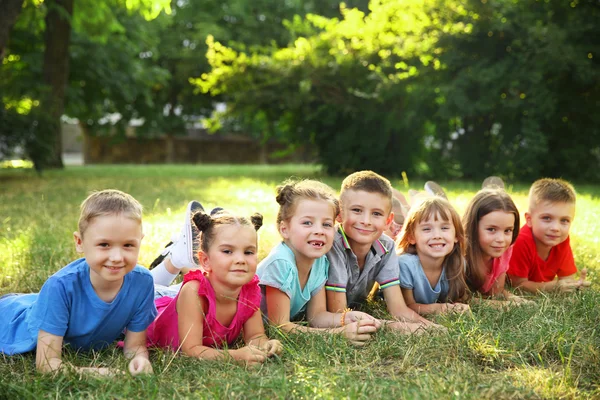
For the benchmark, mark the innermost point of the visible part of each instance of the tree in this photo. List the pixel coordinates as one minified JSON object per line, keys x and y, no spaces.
{"x":10,"y":12}
{"x":44,"y":145}
{"x":350,"y":86}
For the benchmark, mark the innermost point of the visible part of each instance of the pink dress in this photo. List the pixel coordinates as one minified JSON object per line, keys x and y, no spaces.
{"x":499,"y":267}
{"x":164,"y":331}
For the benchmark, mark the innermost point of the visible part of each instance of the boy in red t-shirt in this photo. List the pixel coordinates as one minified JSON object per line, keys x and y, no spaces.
{"x":542,"y":250}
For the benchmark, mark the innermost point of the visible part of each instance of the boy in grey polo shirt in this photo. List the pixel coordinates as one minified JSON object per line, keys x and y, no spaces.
{"x":361,"y":255}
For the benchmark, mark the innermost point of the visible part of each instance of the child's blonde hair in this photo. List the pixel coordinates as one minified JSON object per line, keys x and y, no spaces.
{"x":291,"y":192}
{"x":438,"y":207}
{"x":552,"y":190}
{"x":207,"y":224}
{"x":367,"y":181}
{"x":485,"y":201}
{"x":108,"y":202}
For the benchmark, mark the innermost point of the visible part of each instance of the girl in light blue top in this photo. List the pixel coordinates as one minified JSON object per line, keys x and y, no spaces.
{"x":293,"y":275}
{"x":431,"y":248}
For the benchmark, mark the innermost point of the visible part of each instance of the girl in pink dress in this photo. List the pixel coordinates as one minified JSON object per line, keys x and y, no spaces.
{"x":219,"y":301}
{"x":491,"y":224}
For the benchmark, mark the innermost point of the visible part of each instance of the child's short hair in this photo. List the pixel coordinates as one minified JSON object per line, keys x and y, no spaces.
{"x":552,"y":190}
{"x":367,"y":181}
{"x":291,"y":192}
{"x":108,"y":202}
{"x":454,"y":262}
{"x":485,"y":202}
{"x":207,"y":224}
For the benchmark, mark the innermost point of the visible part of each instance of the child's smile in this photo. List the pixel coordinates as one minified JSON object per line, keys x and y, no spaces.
{"x":434,"y":238}
{"x":309,"y":233}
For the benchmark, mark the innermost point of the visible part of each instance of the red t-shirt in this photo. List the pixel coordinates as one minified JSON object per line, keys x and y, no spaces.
{"x":526,"y":263}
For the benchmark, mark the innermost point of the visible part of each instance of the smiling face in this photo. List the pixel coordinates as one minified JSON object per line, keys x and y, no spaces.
{"x":495,"y":232}
{"x":364,"y":216}
{"x":232,"y":257}
{"x":111,"y":245}
{"x":309,"y":232}
{"x":550,"y":223}
{"x":433,"y":238}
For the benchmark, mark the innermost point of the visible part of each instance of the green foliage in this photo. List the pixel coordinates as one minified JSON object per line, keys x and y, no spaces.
{"x":470,"y":89}
{"x":548,"y":351}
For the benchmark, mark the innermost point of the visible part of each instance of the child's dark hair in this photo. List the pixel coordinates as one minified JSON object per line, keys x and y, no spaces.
{"x":290,"y":192}
{"x":438,"y":207}
{"x":367,"y":181}
{"x":484,"y":202}
{"x":208,"y":223}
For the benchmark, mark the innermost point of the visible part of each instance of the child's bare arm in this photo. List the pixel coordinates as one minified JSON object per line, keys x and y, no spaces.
{"x":336,"y":301}
{"x":48,"y":352}
{"x":563,"y":284}
{"x":278,"y":306}
{"x":135,"y":349}
{"x":398,"y":308}
{"x":254,"y":335}
{"x":48,"y":356}
{"x":435,"y":308}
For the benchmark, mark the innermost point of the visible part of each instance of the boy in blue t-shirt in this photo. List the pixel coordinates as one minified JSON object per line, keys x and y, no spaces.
{"x":89,"y":303}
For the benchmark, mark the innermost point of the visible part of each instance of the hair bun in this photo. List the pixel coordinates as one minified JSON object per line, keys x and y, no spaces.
{"x":284,"y":193}
{"x":202,"y":221}
{"x":257,"y":220}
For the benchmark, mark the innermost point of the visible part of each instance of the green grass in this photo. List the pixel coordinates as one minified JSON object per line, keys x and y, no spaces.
{"x":550,"y":350}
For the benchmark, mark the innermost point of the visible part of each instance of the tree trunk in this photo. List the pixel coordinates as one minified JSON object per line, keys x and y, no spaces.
{"x":55,"y":74}
{"x":8,"y":17}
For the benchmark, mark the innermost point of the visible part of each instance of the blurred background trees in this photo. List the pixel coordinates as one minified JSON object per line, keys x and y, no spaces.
{"x":440,"y":88}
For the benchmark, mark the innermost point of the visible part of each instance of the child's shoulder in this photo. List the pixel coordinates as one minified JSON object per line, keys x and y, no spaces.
{"x":385,"y":241}
{"x":71,"y":270}
{"x":141,"y":274}
{"x":409,"y":260}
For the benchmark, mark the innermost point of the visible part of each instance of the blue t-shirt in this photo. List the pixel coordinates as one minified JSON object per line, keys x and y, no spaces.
{"x":413,"y":277}
{"x":68,"y":306}
{"x":279,"y":270}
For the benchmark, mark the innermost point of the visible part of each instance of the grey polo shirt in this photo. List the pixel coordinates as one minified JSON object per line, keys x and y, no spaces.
{"x":345,"y":276}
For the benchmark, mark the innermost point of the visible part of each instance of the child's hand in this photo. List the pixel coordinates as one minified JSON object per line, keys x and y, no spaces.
{"x":140,"y":365}
{"x":457,"y":308}
{"x":582,"y":281}
{"x":250,"y":355}
{"x":355,"y":316}
{"x":519,"y":301}
{"x":360,"y":331}
{"x":273,"y":347}
{"x":567,"y":285}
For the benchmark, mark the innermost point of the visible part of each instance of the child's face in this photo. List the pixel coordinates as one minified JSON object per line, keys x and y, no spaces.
{"x":232,"y":257}
{"x":550,"y":222}
{"x":495,"y":232}
{"x":364,"y":216}
{"x":309,"y":233}
{"x":434,"y":238}
{"x":110,"y":245}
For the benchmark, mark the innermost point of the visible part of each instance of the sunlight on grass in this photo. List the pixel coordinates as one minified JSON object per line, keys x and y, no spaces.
{"x":544,"y":382}
{"x":548,"y":350}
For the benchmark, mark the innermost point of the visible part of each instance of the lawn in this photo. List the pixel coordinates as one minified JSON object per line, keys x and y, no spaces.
{"x":550,"y":350}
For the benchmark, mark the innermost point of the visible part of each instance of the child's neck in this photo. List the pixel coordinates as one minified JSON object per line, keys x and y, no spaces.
{"x":542,"y":250}
{"x":225,"y":294}
{"x":487,"y":262}
{"x":430,"y":264}
{"x":304,"y":265}
{"x":105,"y":290}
